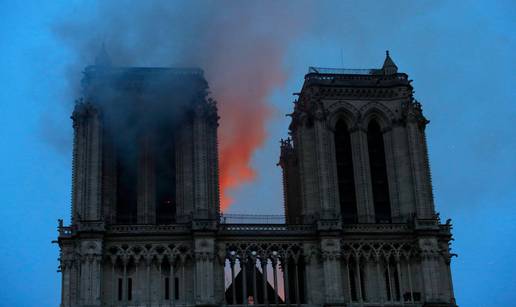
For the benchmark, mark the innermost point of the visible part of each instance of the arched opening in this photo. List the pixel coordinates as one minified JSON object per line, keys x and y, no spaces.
{"x":380,"y":185}
{"x":345,"y":174}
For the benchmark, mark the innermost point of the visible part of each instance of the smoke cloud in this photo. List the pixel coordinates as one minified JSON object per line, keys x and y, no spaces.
{"x":240,"y":45}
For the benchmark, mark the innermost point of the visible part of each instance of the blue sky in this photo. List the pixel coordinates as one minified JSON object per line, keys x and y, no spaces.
{"x":460,"y":55}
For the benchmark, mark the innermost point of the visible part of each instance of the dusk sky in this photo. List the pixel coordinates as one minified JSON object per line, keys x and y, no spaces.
{"x":460,"y":54}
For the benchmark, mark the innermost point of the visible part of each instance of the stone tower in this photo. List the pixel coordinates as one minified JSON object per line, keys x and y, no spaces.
{"x":357,"y":164}
{"x":360,"y":228}
{"x":144,"y":157}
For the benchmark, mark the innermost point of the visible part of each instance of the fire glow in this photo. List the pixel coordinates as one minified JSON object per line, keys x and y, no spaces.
{"x":236,"y":43}
{"x":241,"y":133}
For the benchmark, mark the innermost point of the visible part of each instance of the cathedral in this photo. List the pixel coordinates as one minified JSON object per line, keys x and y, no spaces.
{"x":359,"y":229}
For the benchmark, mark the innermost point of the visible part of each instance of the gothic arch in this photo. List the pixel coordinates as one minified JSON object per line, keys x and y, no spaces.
{"x":379,"y":112}
{"x":342,"y":110}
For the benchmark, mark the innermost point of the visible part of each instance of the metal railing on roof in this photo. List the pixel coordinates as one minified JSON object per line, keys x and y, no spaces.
{"x":343,"y":71}
{"x":251,"y":219}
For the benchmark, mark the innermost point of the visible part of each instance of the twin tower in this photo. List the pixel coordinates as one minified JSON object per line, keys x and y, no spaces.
{"x":360,"y":225}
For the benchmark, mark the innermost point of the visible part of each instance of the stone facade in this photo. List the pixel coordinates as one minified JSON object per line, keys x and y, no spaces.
{"x":134,"y":243}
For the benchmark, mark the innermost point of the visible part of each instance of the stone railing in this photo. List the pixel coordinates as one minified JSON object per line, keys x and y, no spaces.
{"x":375,"y":228}
{"x":252,"y":219}
{"x":342,"y":71}
{"x":258,"y":229}
{"x":137,"y":229}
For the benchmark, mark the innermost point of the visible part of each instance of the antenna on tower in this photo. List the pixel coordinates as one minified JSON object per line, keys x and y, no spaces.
{"x":341,"y":58}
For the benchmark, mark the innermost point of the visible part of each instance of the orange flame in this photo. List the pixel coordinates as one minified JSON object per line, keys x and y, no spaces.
{"x":244,"y":112}
{"x":242,"y":133}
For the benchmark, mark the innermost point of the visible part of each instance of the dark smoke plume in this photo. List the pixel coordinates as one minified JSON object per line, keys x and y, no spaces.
{"x":240,"y":45}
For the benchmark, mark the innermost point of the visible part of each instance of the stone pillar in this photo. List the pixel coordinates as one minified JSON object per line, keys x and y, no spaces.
{"x":146,"y":203}
{"x":219,"y":274}
{"x":200,"y":164}
{"x":420,"y":168}
{"x":204,"y":273}
{"x":65,"y":283}
{"x":68,"y":264}
{"x":109,"y":178}
{"x":205,"y":161}
{"x":430,"y":270}
{"x":326,"y":167}
{"x":304,"y":142}
{"x":364,"y":192}
{"x":91,"y":272}
{"x":404,"y":179}
{"x":332,"y":271}
{"x":213,"y":168}
{"x":74,"y":283}
{"x":184,"y":172}
{"x":314,"y":279}
{"x":87,"y":163}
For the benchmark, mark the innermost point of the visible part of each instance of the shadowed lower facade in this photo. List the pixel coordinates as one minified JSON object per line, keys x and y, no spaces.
{"x":360,"y":226}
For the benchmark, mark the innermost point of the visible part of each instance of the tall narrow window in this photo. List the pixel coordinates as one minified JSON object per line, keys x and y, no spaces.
{"x":352,"y":281}
{"x":167,"y":288}
{"x":120,"y":288}
{"x":165,"y":176}
{"x":126,"y":168}
{"x":176,"y":288}
{"x":382,"y":206}
{"x":129,"y":289}
{"x":346,"y":178}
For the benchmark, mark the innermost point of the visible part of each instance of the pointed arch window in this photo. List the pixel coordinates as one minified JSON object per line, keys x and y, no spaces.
{"x":380,"y":185}
{"x":345,"y":174}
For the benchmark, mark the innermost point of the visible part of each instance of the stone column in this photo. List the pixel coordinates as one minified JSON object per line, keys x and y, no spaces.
{"x":65,"y":283}
{"x":430,"y":269}
{"x":218,"y":269}
{"x":326,"y":167}
{"x":364,"y":192}
{"x":184,"y":172}
{"x":314,"y":279}
{"x":87,"y":163}
{"x":332,"y":270}
{"x":204,"y":273}
{"x":404,"y":179}
{"x":200,"y":163}
{"x":420,"y":168}
{"x":74,"y":283}
{"x":213,"y":161}
{"x":109,"y":178}
{"x":304,"y":141}
{"x":68,"y":264}
{"x":146,"y":204}
{"x":91,"y":272}
{"x":205,"y":161}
